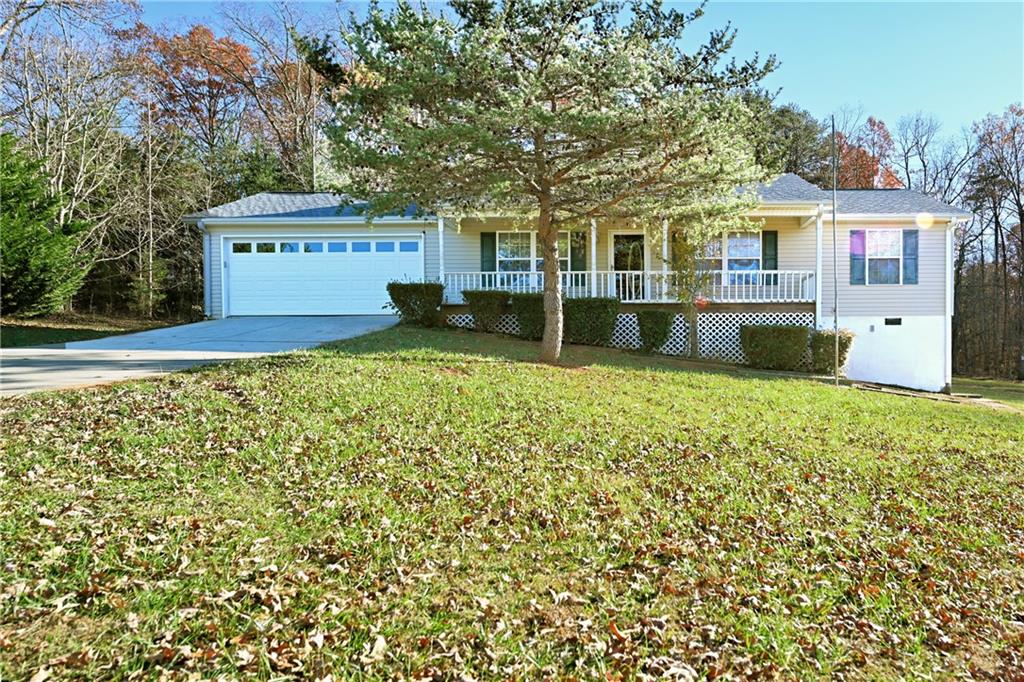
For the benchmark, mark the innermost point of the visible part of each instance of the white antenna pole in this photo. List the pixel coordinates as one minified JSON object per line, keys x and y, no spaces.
{"x":835,"y":257}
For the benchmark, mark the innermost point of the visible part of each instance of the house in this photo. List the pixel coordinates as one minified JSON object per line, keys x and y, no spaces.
{"x":283,"y":253}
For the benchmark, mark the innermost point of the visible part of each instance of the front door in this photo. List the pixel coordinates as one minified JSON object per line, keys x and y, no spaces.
{"x":628,"y":260}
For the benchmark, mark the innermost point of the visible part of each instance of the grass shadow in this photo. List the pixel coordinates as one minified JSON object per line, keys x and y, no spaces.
{"x":432,"y":346}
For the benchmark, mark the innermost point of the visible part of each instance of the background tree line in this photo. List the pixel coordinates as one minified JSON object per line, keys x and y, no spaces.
{"x":114,"y":130}
{"x":130,"y":127}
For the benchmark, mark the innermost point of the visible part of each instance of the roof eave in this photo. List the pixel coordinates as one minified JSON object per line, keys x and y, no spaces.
{"x":320,"y":220}
{"x":898,"y":216}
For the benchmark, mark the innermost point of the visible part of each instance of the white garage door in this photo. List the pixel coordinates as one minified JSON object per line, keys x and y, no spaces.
{"x":318,"y":275}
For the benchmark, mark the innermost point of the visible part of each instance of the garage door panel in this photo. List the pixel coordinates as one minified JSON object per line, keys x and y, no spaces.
{"x":351,"y":282}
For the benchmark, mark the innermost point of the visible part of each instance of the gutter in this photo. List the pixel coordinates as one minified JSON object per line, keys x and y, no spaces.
{"x":213,"y":221}
{"x":896,"y":216}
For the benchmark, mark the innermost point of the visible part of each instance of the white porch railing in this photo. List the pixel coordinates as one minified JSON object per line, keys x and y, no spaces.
{"x":647,"y":286}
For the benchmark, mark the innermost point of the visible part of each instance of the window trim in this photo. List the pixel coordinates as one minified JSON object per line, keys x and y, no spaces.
{"x":725,"y":251}
{"x":868,"y":259}
{"x":535,"y":256}
{"x":497,"y":251}
{"x":562,"y":255}
{"x":723,"y":256}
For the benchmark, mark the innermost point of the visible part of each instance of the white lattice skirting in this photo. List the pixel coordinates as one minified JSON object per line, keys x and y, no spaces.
{"x":718,"y":334}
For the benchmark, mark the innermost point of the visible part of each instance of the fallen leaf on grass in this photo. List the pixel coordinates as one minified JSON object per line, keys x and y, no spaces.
{"x":380,"y":647}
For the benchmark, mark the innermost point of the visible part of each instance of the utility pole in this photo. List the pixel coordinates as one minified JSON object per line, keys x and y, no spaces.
{"x":835,"y":258}
{"x":149,"y":197}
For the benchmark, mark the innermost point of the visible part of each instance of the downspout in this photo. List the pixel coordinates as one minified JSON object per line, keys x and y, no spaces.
{"x":947,"y":324}
{"x":207,"y":297}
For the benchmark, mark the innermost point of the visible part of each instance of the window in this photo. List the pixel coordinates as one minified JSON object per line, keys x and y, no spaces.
{"x":313,"y":247}
{"x":337,"y":247}
{"x":514,"y":251}
{"x":743,"y":251}
{"x":289,"y":247}
{"x":408,"y":247}
{"x":712,"y":259}
{"x":884,"y":253}
{"x":360,"y":247}
{"x":385,"y":247}
{"x":563,"y":253}
{"x":241,"y":247}
{"x":266,"y":247}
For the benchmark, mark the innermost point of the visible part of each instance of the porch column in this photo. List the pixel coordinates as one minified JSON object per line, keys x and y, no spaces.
{"x":440,"y":249}
{"x":817,"y":267}
{"x":593,"y":256}
{"x":664,"y":259}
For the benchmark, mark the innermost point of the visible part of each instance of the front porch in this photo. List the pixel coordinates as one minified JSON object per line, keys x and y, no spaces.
{"x":645,"y":286}
{"x":768,"y":275}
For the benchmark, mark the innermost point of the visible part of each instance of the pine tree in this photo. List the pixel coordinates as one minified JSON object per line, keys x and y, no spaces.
{"x":40,"y":269}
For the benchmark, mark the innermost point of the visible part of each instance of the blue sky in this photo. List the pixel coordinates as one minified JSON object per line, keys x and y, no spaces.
{"x":955,"y":60}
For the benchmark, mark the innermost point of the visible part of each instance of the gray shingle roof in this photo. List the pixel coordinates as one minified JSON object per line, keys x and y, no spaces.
{"x":790,"y":188}
{"x":892,"y":201}
{"x":786,"y":189}
{"x":291,"y":205}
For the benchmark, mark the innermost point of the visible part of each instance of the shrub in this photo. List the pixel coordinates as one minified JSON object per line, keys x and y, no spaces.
{"x":775,"y":346}
{"x":487,"y":308}
{"x":590,"y":321}
{"x":529,"y":312}
{"x":655,"y":326}
{"x":417,"y":302}
{"x":823,"y":350}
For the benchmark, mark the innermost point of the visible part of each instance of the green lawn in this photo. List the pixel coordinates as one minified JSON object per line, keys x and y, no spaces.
{"x":16,"y":333}
{"x":1009,"y":392}
{"x":426,"y":504}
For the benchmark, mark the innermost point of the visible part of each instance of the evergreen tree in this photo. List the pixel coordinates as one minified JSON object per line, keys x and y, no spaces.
{"x":557,"y":111}
{"x":40,"y":269}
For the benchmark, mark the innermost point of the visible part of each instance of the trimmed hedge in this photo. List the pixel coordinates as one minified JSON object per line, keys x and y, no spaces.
{"x":417,"y":302}
{"x":655,"y":326}
{"x":775,"y":346}
{"x":487,"y":307}
{"x":590,"y":321}
{"x":823,"y":350}
{"x":529,"y":312}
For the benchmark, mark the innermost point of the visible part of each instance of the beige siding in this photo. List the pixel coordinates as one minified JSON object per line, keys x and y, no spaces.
{"x":217,"y":233}
{"x":797,"y":245}
{"x":927,"y":297}
{"x":462,"y":244}
{"x":797,"y":251}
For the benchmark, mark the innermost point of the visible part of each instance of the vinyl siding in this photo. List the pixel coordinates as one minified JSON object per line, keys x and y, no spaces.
{"x":796,"y":251}
{"x":462,"y":244}
{"x":797,"y":245}
{"x":927,"y":297}
{"x":207,"y":304}
{"x":216,"y":233}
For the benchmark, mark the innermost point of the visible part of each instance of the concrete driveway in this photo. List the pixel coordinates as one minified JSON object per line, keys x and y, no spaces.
{"x":157,"y":351}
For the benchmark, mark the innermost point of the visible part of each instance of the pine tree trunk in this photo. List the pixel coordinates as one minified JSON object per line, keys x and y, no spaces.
{"x":551,"y":342}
